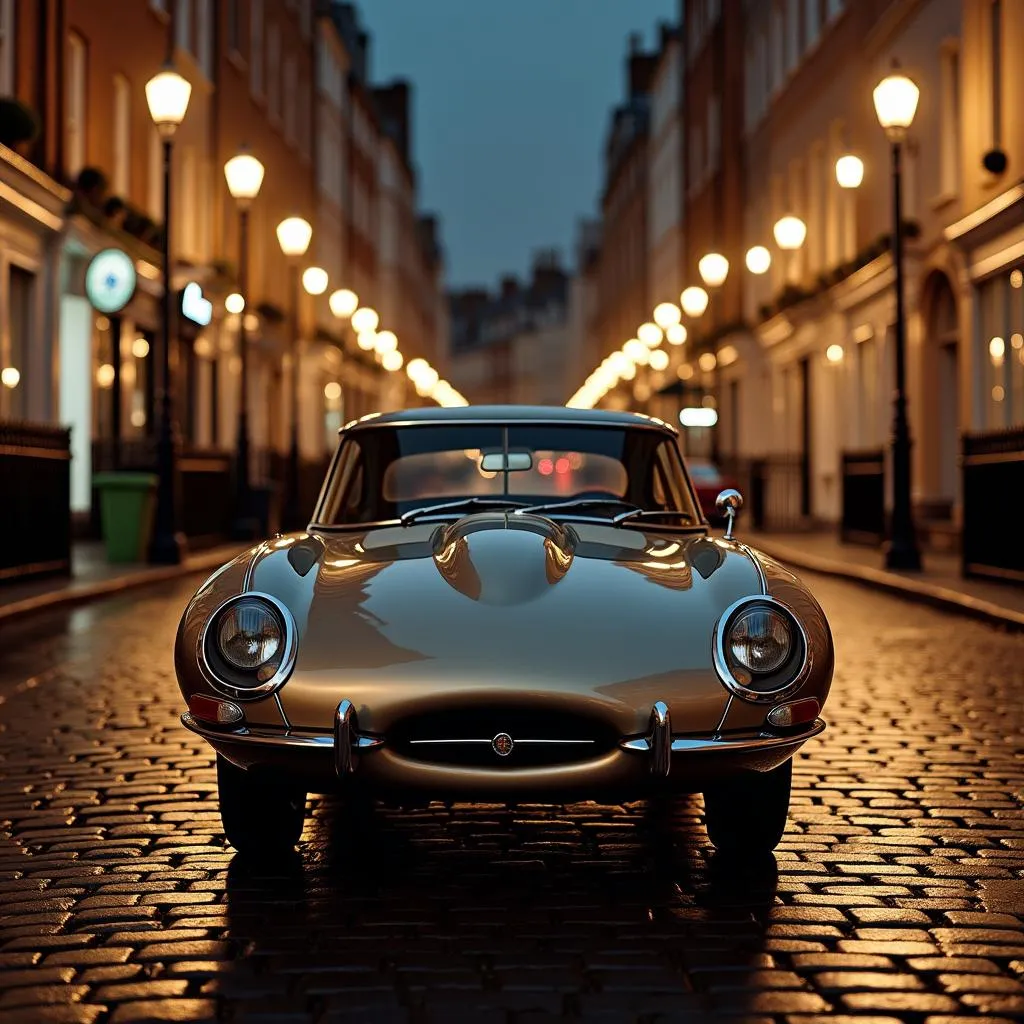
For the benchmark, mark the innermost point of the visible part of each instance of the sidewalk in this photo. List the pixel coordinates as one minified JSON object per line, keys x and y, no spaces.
{"x":939,"y":584}
{"x":94,"y":577}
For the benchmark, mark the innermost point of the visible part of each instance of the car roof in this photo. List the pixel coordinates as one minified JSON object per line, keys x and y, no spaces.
{"x":555,"y":415}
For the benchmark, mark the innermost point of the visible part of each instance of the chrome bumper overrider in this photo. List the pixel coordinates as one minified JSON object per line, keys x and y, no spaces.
{"x":345,"y":741}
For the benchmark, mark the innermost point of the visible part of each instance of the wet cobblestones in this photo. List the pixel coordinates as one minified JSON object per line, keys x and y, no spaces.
{"x":897,"y":894}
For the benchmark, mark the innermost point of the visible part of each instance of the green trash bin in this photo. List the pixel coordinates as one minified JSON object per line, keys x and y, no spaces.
{"x":126,"y":513}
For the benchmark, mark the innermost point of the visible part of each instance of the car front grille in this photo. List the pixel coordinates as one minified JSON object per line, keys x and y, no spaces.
{"x":501,"y":738}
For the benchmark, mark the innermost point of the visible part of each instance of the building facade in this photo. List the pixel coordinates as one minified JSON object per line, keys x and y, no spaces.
{"x":797,"y":349}
{"x":82,"y":172}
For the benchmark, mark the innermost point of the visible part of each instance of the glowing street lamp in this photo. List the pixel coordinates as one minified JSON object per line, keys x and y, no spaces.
{"x":365,"y":319}
{"x":758,"y":259}
{"x":694,"y":301}
{"x":849,"y":171}
{"x":343,"y":302}
{"x":714,"y":269}
{"x":789,"y":232}
{"x":314,"y":280}
{"x":649,"y":334}
{"x":666,"y":314}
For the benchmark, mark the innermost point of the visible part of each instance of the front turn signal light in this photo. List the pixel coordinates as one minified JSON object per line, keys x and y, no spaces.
{"x":798,"y":712}
{"x":210,"y":709}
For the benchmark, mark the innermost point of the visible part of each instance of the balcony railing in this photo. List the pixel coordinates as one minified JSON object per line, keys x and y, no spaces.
{"x":35,"y":500}
{"x":773,"y":488}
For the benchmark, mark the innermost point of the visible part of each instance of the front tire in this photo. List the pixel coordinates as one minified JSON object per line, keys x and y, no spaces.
{"x":261,"y":815}
{"x":747,"y":814}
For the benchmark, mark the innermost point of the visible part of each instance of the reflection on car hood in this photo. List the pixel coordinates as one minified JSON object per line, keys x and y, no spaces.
{"x":496,"y":603}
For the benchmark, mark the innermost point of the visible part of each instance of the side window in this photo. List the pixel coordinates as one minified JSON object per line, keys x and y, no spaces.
{"x":666,"y":478}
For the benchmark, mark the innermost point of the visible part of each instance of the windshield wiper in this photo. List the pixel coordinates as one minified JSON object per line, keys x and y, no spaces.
{"x":558,"y":506}
{"x":640,"y":513}
{"x":453,"y":506}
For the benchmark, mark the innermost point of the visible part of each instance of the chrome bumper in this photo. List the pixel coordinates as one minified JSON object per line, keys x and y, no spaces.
{"x":345,"y":742}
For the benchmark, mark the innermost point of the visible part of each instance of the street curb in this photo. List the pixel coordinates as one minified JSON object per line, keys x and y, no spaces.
{"x":204,"y":562}
{"x":911,"y":589}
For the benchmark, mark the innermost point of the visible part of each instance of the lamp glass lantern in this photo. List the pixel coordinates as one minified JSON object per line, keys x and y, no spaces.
{"x":714,"y":269}
{"x":365,"y":319}
{"x":896,"y":98}
{"x":314,"y":280}
{"x":167,"y":95}
{"x":694,"y":301}
{"x":790,"y":232}
{"x":849,"y":171}
{"x":343,"y":302}
{"x":244,"y":175}
{"x":666,"y":314}
{"x":293,"y":235}
{"x":758,"y":259}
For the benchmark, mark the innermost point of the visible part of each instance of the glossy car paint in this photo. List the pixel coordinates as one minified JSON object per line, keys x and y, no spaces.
{"x":500,"y":608}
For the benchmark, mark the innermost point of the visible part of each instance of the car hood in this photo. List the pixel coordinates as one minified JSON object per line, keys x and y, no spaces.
{"x":500,"y":606}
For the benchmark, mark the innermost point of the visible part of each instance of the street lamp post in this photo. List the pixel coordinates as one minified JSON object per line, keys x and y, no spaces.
{"x":895,"y":100}
{"x":167,"y":95}
{"x":244,"y":174}
{"x":293,"y":235}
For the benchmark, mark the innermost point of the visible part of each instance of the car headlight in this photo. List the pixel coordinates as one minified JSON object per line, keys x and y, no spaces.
{"x":760,"y":650}
{"x":760,"y":639}
{"x":248,"y":646}
{"x":249,"y":635}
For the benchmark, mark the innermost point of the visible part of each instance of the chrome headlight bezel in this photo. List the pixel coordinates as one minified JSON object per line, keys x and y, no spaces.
{"x":235,"y":682}
{"x":767,"y":688}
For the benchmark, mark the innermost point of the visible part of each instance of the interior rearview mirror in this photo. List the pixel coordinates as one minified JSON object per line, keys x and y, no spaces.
{"x":499,"y":462}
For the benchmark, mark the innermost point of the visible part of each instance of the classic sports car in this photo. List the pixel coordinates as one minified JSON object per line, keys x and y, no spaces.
{"x":505,"y":603}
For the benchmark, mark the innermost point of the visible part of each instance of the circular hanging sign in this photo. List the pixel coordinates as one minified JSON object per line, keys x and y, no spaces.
{"x":110,"y":280}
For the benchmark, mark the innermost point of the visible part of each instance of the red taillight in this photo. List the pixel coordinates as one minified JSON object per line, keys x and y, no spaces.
{"x":210,"y":709}
{"x":799,"y":712}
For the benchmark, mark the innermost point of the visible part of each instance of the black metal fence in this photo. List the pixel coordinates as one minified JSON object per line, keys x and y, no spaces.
{"x":35,"y":500}
{"x":773,"y":490}
{"x":993,"y":473}
{"x":863,"y":498}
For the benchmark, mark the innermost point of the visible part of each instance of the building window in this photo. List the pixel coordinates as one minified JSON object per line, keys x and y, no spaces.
{"x":792,"y":34}
{"x":183,"y":25}
{"x":274,"y":70}
{"x":21,"y":285}
{"x":1001,"y":300}
{"x":256,"y":47}
{"x":234,"y":27}
{"x":816,"y":184}
{"x":122,"y":136}
{"x":204,"y":37}
{"x":714,"y":133}
{"x":8,"y":47}
{"x":290,"y":106}
{"x":776,"y":48}
{"x":949,"y":121}
{"x":833,"y":8}
{"x":812,"y":22}
{"x":75,"y":100}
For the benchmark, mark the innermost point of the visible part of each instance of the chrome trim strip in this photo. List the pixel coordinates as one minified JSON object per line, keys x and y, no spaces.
{"x":758,"y":567}
{"x":250,"y":570}
{"x":344,"y":727}
{"x":725,"y":715}
{"x":284,"y":669}
{"x":661,"y":739}
{"x":640,"y":745}
{"x":721,"y":662}
{"x":517,"y":742}
{"x":280,"y":708}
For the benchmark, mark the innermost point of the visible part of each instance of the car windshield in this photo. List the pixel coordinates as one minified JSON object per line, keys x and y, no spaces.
{"x":383,"y":473}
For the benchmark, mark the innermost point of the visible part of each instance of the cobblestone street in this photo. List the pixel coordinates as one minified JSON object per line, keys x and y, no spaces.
{"x":897,"y":894}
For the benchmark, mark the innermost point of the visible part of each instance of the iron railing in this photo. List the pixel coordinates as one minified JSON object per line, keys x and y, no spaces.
{"x":863,"y":518}
{"x":35,"y":500}
{"x":993,"y":467}
{"x":773,"y":490}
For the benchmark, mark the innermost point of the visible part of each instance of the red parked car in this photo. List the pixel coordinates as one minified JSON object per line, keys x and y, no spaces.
{"x":708,"y":482}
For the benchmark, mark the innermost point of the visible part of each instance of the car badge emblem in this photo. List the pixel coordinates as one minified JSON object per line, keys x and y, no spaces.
{"x":502,"y":744}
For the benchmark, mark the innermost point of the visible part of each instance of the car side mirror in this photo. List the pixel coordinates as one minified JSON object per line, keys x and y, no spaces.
{"x":729,"y":502}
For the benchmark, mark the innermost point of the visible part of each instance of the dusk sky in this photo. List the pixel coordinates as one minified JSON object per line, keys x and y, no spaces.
{"x":511,"y":105}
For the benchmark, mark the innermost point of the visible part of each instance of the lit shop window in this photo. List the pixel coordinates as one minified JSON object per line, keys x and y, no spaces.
{"x":1002,"y":342}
